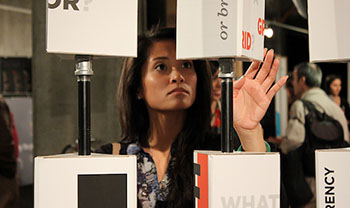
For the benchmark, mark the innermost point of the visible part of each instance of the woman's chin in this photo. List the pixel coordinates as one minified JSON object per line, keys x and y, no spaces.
{"x":181,"y":106}
{"x":216,"y":98}
{"x":173,"y":106}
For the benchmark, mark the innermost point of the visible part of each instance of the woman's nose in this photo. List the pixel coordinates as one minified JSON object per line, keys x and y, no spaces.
{"x":176,"y":76}
{"x":217,"y":83}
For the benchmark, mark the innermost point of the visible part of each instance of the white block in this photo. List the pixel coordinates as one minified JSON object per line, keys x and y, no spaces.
{"x":92,"y":27}
{"x":329,"y":30}
{"x":220,"y":28}
{"x":332,"y":177}
{"x":56,"y":178}
{"x":237,"y":179}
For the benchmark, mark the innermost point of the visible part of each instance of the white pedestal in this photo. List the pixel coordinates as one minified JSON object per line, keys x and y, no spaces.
{"x":76,"y":181}
{"x":236,"y":179}
{"x":333,"y":177}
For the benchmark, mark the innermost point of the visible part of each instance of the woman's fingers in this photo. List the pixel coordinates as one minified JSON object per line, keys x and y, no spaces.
{"x":276,"y":87}
{"x":254,"y":67}
{"x":266,"y":67}
{"x":238,"y":84}
{"x":272,"y":76}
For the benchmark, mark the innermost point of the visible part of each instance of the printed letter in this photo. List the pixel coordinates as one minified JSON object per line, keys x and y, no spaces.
{"x":328,"y":171}
{"x":73,"y":3}
{"x":231,"y":203}
{"x":243,"y":39}
{"x":246,"y":203}
{"x":54,"y":5}
{"x":274,"y":198}
{"x":249,"y":41}
{"x":329,"y":183}
{"x":262,"y":202}
{"x":224,"y":12}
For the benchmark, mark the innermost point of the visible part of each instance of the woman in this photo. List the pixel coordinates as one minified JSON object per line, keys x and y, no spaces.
{"x":215,"y":107}
{"x":9,"y":195}
{"x":333,"y":88}
{"x":165,"y":109}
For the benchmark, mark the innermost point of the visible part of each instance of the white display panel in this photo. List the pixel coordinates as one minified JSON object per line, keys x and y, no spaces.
{"x":239,"y":179}
{"x":329,"y":30}
{"x":56,"y":178}
{"x":92,"y":27}
{"x":216,"y":29}
{"x":332,"y":177}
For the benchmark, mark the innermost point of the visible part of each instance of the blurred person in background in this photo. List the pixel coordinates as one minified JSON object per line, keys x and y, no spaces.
{"x":9,"y":192}
{"x":332,"y":86}
{"x":215,"y":122}
{"x":306,"y":83}
{"x":290,"y":92}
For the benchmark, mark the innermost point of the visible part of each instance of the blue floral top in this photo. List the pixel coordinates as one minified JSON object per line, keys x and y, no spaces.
{"x":149,"y":190}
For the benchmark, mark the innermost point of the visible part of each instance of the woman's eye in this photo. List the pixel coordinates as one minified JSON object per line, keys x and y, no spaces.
{"x":160,"y":67}
{"x":187,"y":65}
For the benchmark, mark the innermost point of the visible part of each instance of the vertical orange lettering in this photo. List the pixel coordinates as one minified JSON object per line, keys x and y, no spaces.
{"x":249,"y":41}
{"x":263,"y":27}
{"x":243,"y":40}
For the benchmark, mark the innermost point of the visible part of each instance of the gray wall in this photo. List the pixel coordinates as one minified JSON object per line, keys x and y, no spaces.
{"x":55,"y":95}
{"x":15,"y":28}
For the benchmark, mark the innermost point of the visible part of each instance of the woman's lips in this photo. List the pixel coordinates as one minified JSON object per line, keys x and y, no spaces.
{"x":178,"y":91}
{"x":215,"y":93}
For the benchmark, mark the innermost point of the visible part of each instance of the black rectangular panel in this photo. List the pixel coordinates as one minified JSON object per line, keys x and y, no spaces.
{"x":196,"y":169}
{"x":102,"y":190}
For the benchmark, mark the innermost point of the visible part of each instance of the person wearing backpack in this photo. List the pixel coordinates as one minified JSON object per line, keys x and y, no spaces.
{"x":300,"y":185}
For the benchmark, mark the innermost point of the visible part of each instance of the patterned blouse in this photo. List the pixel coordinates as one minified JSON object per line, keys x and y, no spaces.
{"x":149,"y":190}
{"x":216,"y":119}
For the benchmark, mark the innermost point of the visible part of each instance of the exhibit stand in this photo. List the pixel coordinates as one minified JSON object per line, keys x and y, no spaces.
{"x":237,"y":179}
{"x":97,"y":180}
{"x":227,"y":31}
{"x":82,"y":30}
{"x":329,"y":42}
{"x":332,"y":177}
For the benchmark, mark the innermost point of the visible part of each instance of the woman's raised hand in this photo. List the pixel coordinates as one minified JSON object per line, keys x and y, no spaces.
{"x":253,"y":93}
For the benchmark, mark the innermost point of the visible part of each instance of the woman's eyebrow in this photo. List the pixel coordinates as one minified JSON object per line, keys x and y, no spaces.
{"x":160,"y":58}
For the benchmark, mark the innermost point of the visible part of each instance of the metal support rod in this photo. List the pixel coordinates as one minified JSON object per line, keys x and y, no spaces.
{"x":83,"y":72}
{"x":227,"y":75}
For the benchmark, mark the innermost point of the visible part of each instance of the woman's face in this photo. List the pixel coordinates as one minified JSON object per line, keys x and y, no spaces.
{"x":216,"y":89}
{"x":167,"y":84}
{"x":335,"y":87}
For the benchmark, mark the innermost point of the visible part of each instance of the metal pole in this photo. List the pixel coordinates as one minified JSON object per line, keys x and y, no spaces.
{"x":226,"y":74}
{"x":83,"y":72}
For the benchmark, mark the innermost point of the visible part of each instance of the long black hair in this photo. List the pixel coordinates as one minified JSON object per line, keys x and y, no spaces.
{"x":134,"y":116}
{"x":328,"y":81}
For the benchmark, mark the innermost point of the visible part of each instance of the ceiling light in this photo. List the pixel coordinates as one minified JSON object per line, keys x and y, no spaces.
{"x":268,"y":32}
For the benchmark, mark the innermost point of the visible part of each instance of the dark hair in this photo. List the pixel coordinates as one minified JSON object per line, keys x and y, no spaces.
{"x":134,"y":117}
{"x":289,"y":82}
{"x":214,"y":67}
{"x":328,"y":81}
{"x":311,"y":72}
